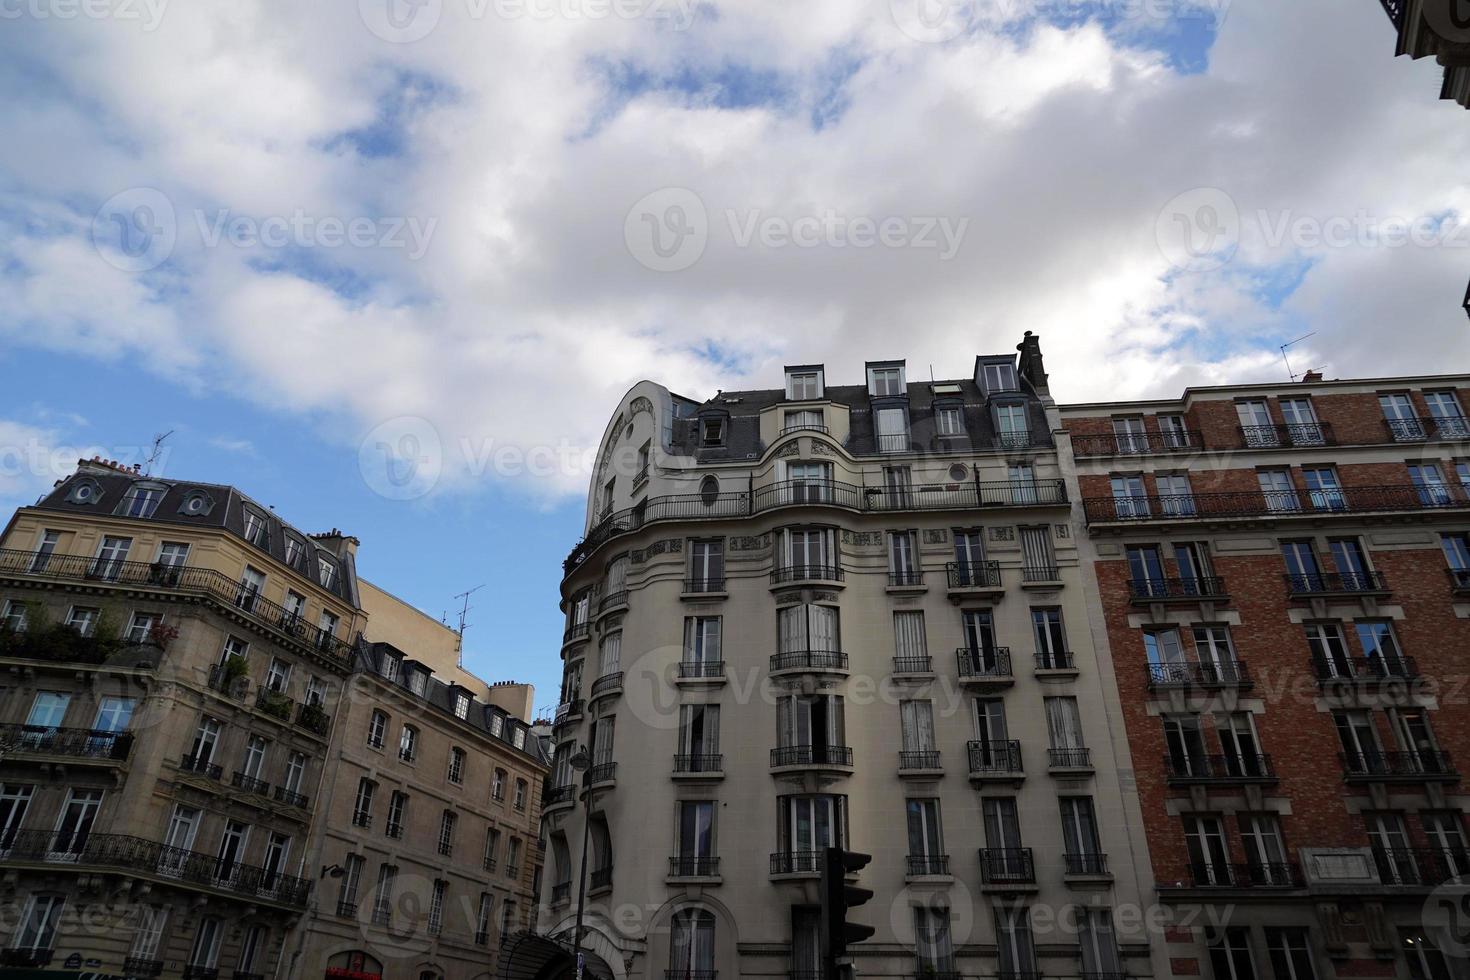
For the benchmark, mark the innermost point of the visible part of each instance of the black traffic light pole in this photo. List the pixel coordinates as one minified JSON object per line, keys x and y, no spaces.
{"x":837,"y":898}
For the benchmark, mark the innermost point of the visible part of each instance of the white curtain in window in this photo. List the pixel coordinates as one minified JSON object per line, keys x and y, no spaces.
{"x":1063,"y":723}
{"x":908,"y":630}
{"x":612,"y":647}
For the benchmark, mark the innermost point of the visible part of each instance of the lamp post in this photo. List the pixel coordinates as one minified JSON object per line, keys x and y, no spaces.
{"x":581,"y":761}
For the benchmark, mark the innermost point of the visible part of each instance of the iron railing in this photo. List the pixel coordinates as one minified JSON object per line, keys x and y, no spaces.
{"x":1075,"y":758}
{"x":796,"y":862}
{"x":576,"y":631}
{"x":603,"y":772}
{"x":1422,"y":429}
{"x":906,"y":577}
{"x":919,"y":759}
{"x":913,"y":665}
{"x":1370,"y":669}
{"x":811,"y":755}
{"x":284,"y":795}
{"x":704,"y":669}
{"x":995,"y":758}
{"x":1335,"y":583}
{"x":1422,"y":764}
{"x":1136,"y":444}
{"x":707,"y":584}
{"x":1420,"y":866}
{"x":607,"y":683}
{"x":215,"y":585}
{"x":809,"y":660}
{"x":1165,"y":589}
{"x":612,"y":599}
{"x":1040,"y":573}
{"x":250,"y":784}
{"x":274,"y":703}
{"x":1007,"y":866}
{"x":201,"y":766}
{"x":74,"y":743}
{"x":1226,"y":673}
{"x":1267,"y":874}
{"x":313,"y":718}
{"x":928,"y":864}
{"x":693,"y":866}
{"x":1086,"y":863}
{"x":1275,"y":503}
{"x":807,"y":573}
{"x":1299,"y":434}
{"x":698,"y":762}
{"x":601,"y":878}
{"x":1183,"y":769}
{"x":973,"y":575}
{"x":150,"y":857}
{"x":984,"y":665}
{"x":1055,"y":660}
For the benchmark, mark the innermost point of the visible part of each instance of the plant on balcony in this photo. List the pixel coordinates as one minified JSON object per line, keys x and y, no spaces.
{"x":107,"y":631}
{"x":275,"y":703}
{"x":161,"y":634}
{"x":313,"y":718}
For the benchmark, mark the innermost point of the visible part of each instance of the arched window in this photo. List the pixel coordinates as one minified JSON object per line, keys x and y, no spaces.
{"x":692,"y":943}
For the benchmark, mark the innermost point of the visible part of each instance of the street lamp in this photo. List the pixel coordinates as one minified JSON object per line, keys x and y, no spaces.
{"x":581,"y":761}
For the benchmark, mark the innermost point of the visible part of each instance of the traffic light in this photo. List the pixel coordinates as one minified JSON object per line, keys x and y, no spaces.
{"x":837,"y":897}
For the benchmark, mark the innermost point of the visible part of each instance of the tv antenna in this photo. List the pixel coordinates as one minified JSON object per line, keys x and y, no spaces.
{"x":464,"y":609}
{"x":155,"y":452}
{"x":1292,"y":343}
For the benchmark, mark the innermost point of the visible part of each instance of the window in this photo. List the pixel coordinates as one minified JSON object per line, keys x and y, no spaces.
{"x":1011,"y":426}
{"x":446,"y":832}
{"x":707,"y":565}
{"x":250,"y":946}
{"x":1173,"y":431}
{"x":1079,"y":835}
{"x":82,"y":619}
{"x":999,"y":376}
{"x":1130,"y":497}
{"x":1444,"y":410}
{"x":38,"y":922}
{"x":48,"y":709}
{"x":806,"y":942}
{"x":461,"y":705}
{"x":932,"y":945}
{"x":1098,"y":942}
{"x":1429,"y":485}
{"x":1278,"y":491}
{"x":492,"y":848}
{"x":482,"y":918}
{"x":140,"y":501}
{"x":294,"y":550}
{"x":1176,"y":496}
{"x":701,"y":643}
{"x":397,"y":808}
{"x":507,"y":917}
{"x":696,"y":838}
{"x":408,"y":743}
{"x":205,"y":953}
{"x":1329,"y":651}
{"x":206,"y":737}
{"x":513,"y":858}
{"x":383,"y":894}
{"x":699,"y":737}
{"x":926,"y":845}
{"x":327,"y":573}
{"x":803,"y":630}
{"x":893,"y":430}
{"x":692,"y":943}
{"x":885,"y":381}
{"x":949,"y":420}
{"x":1014,"y":948}
{"x":1051,"y":640}
{"x":327,"y":626}
{"x":456,"y":765}
{"x":497,"y":785}
{"x":610,"y":655}
{"x":903,"y":558}
{"x":1304,"y":573}
{"x":417,"y":681}
{"x":603,"y":751}
{"x":45,"y":548}
{"x":295,"y":772}
{"x":1359,"y":738}
{"x":1230,"y":955}
{"x":316,"y":691}
{"x":351,"y":879}
{"x":803,"y":385}
{"x":1129,"y":435}
{"x":645,"y":451}
{"x":255,"y":531}
{"x":377,"y":729}
{"x":15,"y":800}
{"x":916,"y":729}
{"x":712,"y":432}
{"x":1256,"y":428}
{"x":1260,"y":836}
{"x":255,"y":751}
{"x":148,"y":932}
{"x":807,"y":824}
{"x":811,"y":729}
{"x":1402,"y":420}
{"x":1381,"y":653}
{"x":390,"y":667}
{"x":15,"y":615}
{"x":1039,"y":563}
{"x":362,"y":807}
{"x":802,"y":418}
{"x":1064,"y":727}
{"x":910,"y":642}
{"x":173,"y":554}
{"x":278,"y":676}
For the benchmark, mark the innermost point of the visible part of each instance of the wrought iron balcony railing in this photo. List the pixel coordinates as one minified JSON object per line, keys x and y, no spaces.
{"x":982,"y":665}
{"x":796,"y":862}
{"x":995,"y":758}
{"x":906,"y":577}
{"x":1209,"y":674}
{"x":1451,"y":427}
{"x":1007,"y":866}
{"x":1184,"y":769}
{"x":1069,"y":758}
{"x":1170,"y":589}
{"x":1421,"y":867}
{"x":1089,"y":863}
{"x":701,"y":669}
{"x":1298,"y":434}
{"x":693,"y":866}
{"x":1276,"y":503}
{"x":250,"y":784}
{"x":920,"y":759}
{"x":1348,"y":668}
{"x":576,"y":631}
{"x":697,"y":763}
{"x":603,"y":772}
{"x":973,"y":575}
{"x":913,"y":665}
{"x":73,"y":743}
{"x":815,"y":660}
{"x":613,"y":600}
{"x":1055,"y":660}
{"x":928,"y":864}
{"x":148,"y":857}
{"x":201,"y":766}
{"x":607,"y":683}
{"x":1136,"y":443}
{"x":207,"y":582}
{"x":290,"y":798}
{"x":811,"y":755}
{"x":807,"y":573}
{"x":1335,"y":583}
{"x":1041,"y":573}
{"x":704,"y":585}
{"x":1425,"y":764}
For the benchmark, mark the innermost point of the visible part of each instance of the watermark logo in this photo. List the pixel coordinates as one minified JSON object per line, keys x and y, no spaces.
{"x":933,"y":21}
{"x":402,"y":458}
{"x":135,"y":230}
{"x":1450,"y":19}
{"x":667,"y":230}
{"x":1199,"y":230}
{"x":1446,"y":917}
{"x":400,"y":21}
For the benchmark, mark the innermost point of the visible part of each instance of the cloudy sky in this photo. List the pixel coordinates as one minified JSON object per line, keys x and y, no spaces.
{"x":303,"y":236}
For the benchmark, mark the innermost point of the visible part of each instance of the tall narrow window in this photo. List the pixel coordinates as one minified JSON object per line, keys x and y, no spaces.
{"x":910,"y":644}
{"x":1256,"y":426}
{"x":926,"y":846}
{"x":1039,"y":562}
{"x":1015,"y":951}
{"x":903,"y":558}
{"x":38,"y":922}
{"x":692,"y":944}
{"x":1402,"y":419}
{"x":702,"y":656}
{"x":1051,"y":640}
{"x":351,"y":881}
{"x":456,"y":765}
{"x":916,"y":720}
{"x":699,"y":738}
{"x":1079,"y":835}
{"x":1291,"y":954}
{"x":1209,"y":856}
{"x":1064,"y":726}
{"x":383,"y":894}
{"x":932,"y":943}
{"x":696,"y":857}
{"x":1230,"y":955}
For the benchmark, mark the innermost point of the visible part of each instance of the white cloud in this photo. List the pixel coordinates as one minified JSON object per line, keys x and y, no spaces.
{"x":527,"y":317}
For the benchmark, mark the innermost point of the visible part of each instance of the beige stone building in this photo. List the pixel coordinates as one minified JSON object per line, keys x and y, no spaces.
{"x":842,"y":615}
{"x":192,"y":700}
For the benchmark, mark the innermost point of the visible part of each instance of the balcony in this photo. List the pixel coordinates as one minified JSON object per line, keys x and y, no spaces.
{"x":561,"y":892}
{"x":806,"y":493}
{"x":710,"y":585}
{"x":796,"y":863}
{"x":608,"y":685}
{"x":151,"y":859}
{"x":694,"y":866}
{"x":1454,"y":428}
{"x":290,"y":798}
{"x":250,"y":784}
{"x":314,"y":719}
{"x":1237,"y":505}
{"x":226,"y":593}
{"x":575,"y":633}
{"x":361,"y":818}
{"x":1205,"y":676}
{"x":1087,"y":865}
{"x":232,"y":684}
{"x":1040,"y":575}
{"x":82,"y":744}
{"x":393,"y":829}
{"x":966,"y":496}
{"x":1347,"y":670}
{"x":985,"y":668}
{"x":613,"y":600}
{"x":701,"y":671}
{"x":1314,"y":584}
{"x":1136,"y":443}
{"x":1220,"y":770}
{"x":906,"y":580}
{"x":600,"y":879}
{"x":809,"y":662}
{"x":973,"y":577}
{"x":274,"y":703}
{"x":913,"y":665}
{"x":137,"y":966}
{"x":995,"y":761}
{"x":603,"y":772}
{"x":1007,"y":868}
{"x":791,"y":427}
{"x":812,"y":757}
{"x":1290,"y":435}
{"x":1424,"y":766}
{"x":1202,"y":588}
{"x":1055,"y":662}
{"x":923,"y":762}
{"x":201,"y":766}
{"x":1420,"y":867}
{"x":793,"y":574}
{"x":927,"y":865}
{"x":1071,"y":760}
{"x":698,"y":766}
{"x":1256,"y":874}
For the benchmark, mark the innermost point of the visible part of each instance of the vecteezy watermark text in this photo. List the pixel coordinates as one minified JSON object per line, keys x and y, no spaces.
{"x":148,"y":13}
{"x":937,"y":21}
{"x":406,"y":21}
{"x":303,"y":230}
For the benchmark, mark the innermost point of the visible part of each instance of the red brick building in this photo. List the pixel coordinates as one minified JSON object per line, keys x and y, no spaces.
{"x":1283,"y":575}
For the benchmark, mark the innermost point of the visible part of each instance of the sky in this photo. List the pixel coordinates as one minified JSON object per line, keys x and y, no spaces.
{"x":389,"y":265}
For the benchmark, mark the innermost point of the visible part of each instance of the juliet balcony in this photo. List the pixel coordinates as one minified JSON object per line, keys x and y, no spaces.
{"x":1314,"y":584}
{"x":973,"y":578}
{"x":1137,"y":443}
{"x":1273,"y":505}
{"x":1202,"y":675}
{"x":1198,"y":588}
{"x":1291,"y":435}
{"x":1219,"y":770}
{"x":74,"y":745}
{"x":1004,"y":869}
{"x":985,"y":668}
{"x":1422,"y":766}
{"x":1346,"y":670}
{"x":998,"y":762}
{"x":1254,"y":874}
{"x":829,"y":758}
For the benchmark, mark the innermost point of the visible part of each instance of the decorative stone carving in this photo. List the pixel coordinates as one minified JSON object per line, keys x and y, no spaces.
{"x":792,"y":448}
{"x":640,"y":404}
{"x":1063,"y":530}
{"x":863,"y":539}
{"x":1002,"y":533}
{"x":758,"y":542}
{"x":937,"y":535}
{"x":820,"y":448}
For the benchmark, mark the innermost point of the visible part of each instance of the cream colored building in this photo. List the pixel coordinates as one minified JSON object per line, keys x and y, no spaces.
{"x":841,"y":614}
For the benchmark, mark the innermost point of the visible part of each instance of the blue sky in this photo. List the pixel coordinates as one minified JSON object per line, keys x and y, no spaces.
{"x":505,"y":177}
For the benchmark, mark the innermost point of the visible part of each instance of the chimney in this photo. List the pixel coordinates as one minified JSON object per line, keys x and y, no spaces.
{"x":1030,"y":362}
{"x":1312,"y":376}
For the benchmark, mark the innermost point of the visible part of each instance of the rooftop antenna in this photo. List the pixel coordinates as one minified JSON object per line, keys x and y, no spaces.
{"x":1291,"y":343}
{"x":464,"y":610}
{"x":156,"y":452}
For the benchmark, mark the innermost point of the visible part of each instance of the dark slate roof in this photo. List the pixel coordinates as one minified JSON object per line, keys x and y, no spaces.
{"x":441,"y":696}
{"x":226,"y":513}
{"x":743,"y":409}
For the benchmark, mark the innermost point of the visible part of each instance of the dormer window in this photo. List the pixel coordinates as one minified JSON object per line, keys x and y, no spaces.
{"x":141,"y":500}
{"x":327,"y":573}
{"x":949,"y":420}
{"x":196,"y":503}
{"x":255,"y":529}
{"x":803,"y":384}
{"x":607,"y":495}
{"x":999,"y":376}
{"x":461,"y":706}
{"x":712,"y":432}
{"x":390,"y":667}
{"x":294,"y":548}
{"x":416,"y":682}
{"x":885,"y":381}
